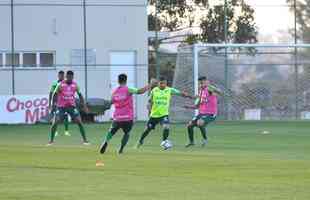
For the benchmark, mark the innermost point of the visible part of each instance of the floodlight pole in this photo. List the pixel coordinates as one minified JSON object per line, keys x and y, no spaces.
{"x":226,"y":59}
{"x":295,"y":62}
{"x":12,"y":47}
{"x":196,"y":50}
{"x":156,"y":41}
{"x":85,"y":48}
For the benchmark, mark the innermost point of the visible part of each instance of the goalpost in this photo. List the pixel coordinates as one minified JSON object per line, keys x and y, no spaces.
{"x":271,"y":79}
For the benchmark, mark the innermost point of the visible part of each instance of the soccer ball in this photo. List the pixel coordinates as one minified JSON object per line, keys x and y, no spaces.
{"x":167,"y":144}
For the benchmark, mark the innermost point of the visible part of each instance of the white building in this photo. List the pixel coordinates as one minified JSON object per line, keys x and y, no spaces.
{"x":49,"y":37}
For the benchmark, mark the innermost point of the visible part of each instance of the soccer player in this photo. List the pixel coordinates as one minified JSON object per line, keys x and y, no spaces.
{"x":61,"y":77}
{"x":160,"y":103}
{"x":206,"y":103}
{"x":65,"y":92}
{"x":123,"y":116}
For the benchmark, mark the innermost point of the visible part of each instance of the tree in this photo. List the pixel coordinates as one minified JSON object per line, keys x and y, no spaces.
{"x":197,"y":20}
{"x":180,"y":15}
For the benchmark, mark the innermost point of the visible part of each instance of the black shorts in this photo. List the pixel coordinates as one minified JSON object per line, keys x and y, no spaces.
{"x":126,"y":126}
{"x":54,"y":112}
{"x":62,"y":113}
{"x":207,"y":118}
{"x":152,"y":123}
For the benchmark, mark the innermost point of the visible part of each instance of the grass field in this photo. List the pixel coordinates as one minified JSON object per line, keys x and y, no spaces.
{"x":239,"y":163}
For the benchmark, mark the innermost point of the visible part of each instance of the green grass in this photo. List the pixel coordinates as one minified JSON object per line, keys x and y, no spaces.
{"x":239,"y":163}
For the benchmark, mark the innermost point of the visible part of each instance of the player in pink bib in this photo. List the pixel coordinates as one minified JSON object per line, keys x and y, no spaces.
{"x":65,"y":92}
{"x":206,"y":103}
{"x":123,"y":116}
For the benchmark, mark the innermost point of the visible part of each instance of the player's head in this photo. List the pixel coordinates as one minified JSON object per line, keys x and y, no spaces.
{"x":162,"y":82}
{"x":122,"y":79}
{"x":153,"y":83}
{"x":69,"y":76}
{"x":203,"y":82}
{"x":61,"y":75}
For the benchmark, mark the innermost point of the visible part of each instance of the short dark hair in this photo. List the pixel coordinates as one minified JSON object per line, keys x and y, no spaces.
{"x":122,"y":78}
{"x":61,"y":72}
{"x":202,"y":78}
{"x":70,"y":72}
{"x":162,"y":78}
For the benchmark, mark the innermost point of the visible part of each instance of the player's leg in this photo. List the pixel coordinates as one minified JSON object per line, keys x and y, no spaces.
{"x":66,"y":124}
{"x":203,"y":130}
{"x":150,"y":125}
{"x":126,"y":127}
{"x":76,"y":117}
{"x":57,"y":118}
{"x":202,"y":124}
{"x":190,"y":131}
{"x":166,"y":127}
{"x":114,"y":128}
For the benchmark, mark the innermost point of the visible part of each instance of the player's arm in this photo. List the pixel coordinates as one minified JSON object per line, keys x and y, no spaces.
{"x":50,"y":96}
{"x":195,"y":106}
{"x":214,"y":89}
{"x":133,"y":90}
{"x":54,"y":94}
{"x":82,"y":100}
{"x":180,"y":93}
{"x":152,"y":84}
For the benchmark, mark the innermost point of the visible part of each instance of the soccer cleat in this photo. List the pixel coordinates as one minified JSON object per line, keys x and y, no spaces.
{"x":120,"y":151}
{"x":86,"y":143}
{"x":189,"y":145}
{"x":67,"y":133}
{"x":138,"y":145}
{"x":50,"y":144}
{"x":204,"y":143}
{"x":103,"y":147}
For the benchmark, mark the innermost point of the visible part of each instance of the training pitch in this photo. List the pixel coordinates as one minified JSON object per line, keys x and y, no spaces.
{"x":243,"y":161}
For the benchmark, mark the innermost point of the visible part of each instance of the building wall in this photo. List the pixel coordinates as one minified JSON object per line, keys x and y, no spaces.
{"x":111,"y":26}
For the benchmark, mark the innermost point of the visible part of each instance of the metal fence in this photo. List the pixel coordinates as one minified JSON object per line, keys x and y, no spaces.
{"x":273,"y":80}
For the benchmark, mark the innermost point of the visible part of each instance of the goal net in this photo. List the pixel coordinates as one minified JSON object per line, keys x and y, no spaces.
{"x":260,"y":82}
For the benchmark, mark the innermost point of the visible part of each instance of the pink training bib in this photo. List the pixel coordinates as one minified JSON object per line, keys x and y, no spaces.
{"x":66,"y":95}
{"x":123,"y":103}
{"x":208,"y":102}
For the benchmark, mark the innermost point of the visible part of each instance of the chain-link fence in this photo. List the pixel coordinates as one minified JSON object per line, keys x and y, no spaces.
{"x":274,"y":81}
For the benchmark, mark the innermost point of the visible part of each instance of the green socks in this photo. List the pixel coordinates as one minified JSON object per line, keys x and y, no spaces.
{"x":53,"y":132}
{"x":190,"y":131}
{"x":82,"y":131}
{"x":144,"y":134}
{"x":165,"y":134}
{"x":203,"y":132}
{"x":124,"y":142}
{"x":66,"y":123}
{"x":108,"y":137}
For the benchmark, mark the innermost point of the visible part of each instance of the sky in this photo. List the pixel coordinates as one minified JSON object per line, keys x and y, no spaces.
{"x":273,"y":19}
{"x":272,"y":16}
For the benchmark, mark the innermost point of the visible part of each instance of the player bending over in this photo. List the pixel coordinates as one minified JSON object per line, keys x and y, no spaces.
{"x":160,"y":103}
{"x":206,"y":103}
{"x":65,"y":92}
{"x":61,"y":77}
{"x":123,"y":116}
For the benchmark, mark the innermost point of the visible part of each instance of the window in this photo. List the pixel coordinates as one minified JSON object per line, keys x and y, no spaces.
{"x":46,"y":59}
{"x":29,"y":60}
{"x":15,"y":59}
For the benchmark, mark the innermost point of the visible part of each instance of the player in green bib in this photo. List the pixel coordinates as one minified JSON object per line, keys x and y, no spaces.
{"x":160,"y":98}
{"x":61,"y":77}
